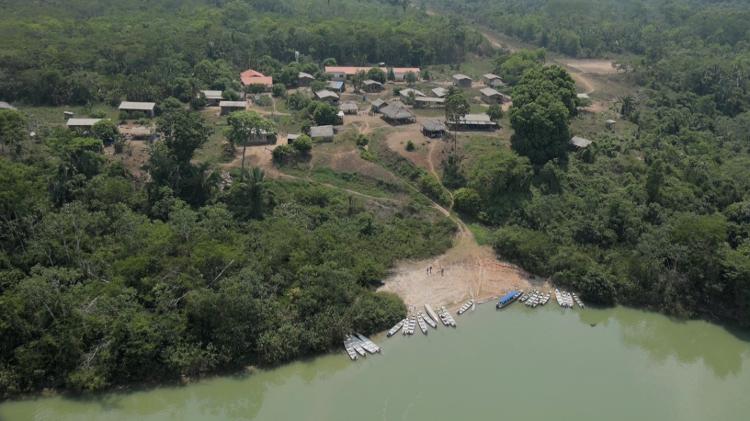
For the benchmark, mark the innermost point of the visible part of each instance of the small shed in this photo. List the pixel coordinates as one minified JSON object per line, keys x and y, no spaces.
{"x":5,"y":106}
{"x":440,"y":92}
{"x":399,"y":73}
{"x":322,"y":133}
{"x":491,"y":96}
{"x":327,"y":96}
{"x":291,"y":137}
{"x":461,"y":80}
{"x":610,"y":124}
{"x":304,"y":79}
{"x":428,"y":102}
{"x":492,"y":80}
{"x":433,"y":129}
{"x":580,"y":142}
{"x":143,"y":107}
{"x":372,"y":86}
{"x":336,"y":86}
{"x":378,"y":104}
{"x":263,"y":138}
{"x":213,"y":98}
{"x":474,"y":122}
{"x":349,"y":107}
{"x":228,"y":107}
{"x":397,"y":113}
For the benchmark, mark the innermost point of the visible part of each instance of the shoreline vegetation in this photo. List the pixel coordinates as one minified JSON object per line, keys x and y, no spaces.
{"x":118,"y":273}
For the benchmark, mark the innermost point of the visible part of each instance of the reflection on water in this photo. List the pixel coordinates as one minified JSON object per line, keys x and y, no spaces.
{"x":631,"y":364}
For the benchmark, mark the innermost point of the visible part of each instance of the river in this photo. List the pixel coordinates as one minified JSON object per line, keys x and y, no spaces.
{"x":518,"y":363}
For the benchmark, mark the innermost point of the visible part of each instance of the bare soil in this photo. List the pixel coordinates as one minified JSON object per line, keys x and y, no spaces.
{"x":590,"y":66}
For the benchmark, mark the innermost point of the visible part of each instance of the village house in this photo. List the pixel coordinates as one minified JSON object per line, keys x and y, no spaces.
{"x":433,"y":129}
{"x":378,"y":104}
{"x":397,"y":113}
{"x":228,"y":107}
{"x":322,"y":133}
{"x":492,"y":80}
{"x":440,"y":92}
{"x":428,"y":102}
{"x":461,"y":80}
{"x":349,"y":107}
{"x":372,"y":86}
{"x":610,"y":124}
{"x":212,"y":97}
{"x":344,"y":72}
{"x":251,"y":77}
{"x":473,"y":122}
{"x":336,"y":86}
{"x":580,"y":142}
{"x":304,"y":79}
{"x":408,"y":92}
{"x":130,"y":107}
{"x":327,"y":96}
{"x":263,"y":138}
{"x":399,"y":73}
{"x":491,"y":96}
{"x":82,"y":125}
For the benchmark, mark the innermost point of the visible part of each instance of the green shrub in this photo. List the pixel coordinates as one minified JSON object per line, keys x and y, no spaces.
{"x":410,"y":146}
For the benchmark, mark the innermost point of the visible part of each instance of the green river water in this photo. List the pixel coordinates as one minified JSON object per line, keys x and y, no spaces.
{"x":517,"y":363}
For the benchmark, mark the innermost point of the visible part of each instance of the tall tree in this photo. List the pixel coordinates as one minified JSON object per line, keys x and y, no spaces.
{"x":243,"y":127}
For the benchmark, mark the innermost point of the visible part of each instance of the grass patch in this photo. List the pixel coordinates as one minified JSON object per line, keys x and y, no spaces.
{"x":482,"y":233}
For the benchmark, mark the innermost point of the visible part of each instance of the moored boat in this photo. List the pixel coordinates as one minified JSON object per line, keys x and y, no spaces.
{"x":507,"y":299}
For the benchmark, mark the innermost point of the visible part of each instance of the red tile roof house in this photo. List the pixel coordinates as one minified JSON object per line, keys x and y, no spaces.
{"x":251,"y":77}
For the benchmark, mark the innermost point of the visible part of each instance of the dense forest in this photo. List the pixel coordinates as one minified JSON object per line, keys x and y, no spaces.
{"x":88,"y":51}
{"x":659,"y":219}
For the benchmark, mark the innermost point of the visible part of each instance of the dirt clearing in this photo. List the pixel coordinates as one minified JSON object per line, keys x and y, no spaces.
{"x":590,"y":66}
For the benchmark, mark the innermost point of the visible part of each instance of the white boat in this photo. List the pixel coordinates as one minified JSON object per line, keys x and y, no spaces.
{"x":396,"y":328}
{"x":451,"y":321}
{"x":422,"y":324}
{"x":431,"y":312}
{"x":350,"y":349}
{"x":429,"y":321}
{"x":370,"y":346}
{"x":464,"y":308}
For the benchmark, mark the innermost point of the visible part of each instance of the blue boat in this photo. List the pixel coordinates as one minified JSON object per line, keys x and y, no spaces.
{"x":507,"y":299}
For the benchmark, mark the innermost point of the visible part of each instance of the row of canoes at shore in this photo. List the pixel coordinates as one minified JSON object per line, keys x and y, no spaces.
{"x":536,"y":298}
{"x":428,"y":318}
{"x":358,"y":345}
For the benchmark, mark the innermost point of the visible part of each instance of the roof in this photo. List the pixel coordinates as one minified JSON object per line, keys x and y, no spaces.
{"x":434,"y":126}
{"x":582,"y":96}
{"x":406,"y":70}
{"x":460,"y":76}
{"x":82,"y":122}
{"x":405,"y":92}
{"x":137,"y":106}
{"x":325,"y":93}
{"x":292,"y":136}
{"x":610,"y":121}
{"x":379,"y":102}
{"x":348,"y":105}
{"x":481,"y":119}
{"x":321,"y":131}
{"x":440,"y":92}
{"x":349,"y":70}
{"x":212,"y":94}
{"x":429,"y":99}
{"x":233,"y":104}
{"x":336,"y":84}
{"x":489,"y":92}
{"x":5,"y":106}
{"x":490,"y":76}
{"x":372,"y":82}
{"x":397,"y":111}
{"x":580,"y":142}
{"x":303,"y":75}
{"x":252,"y":77}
